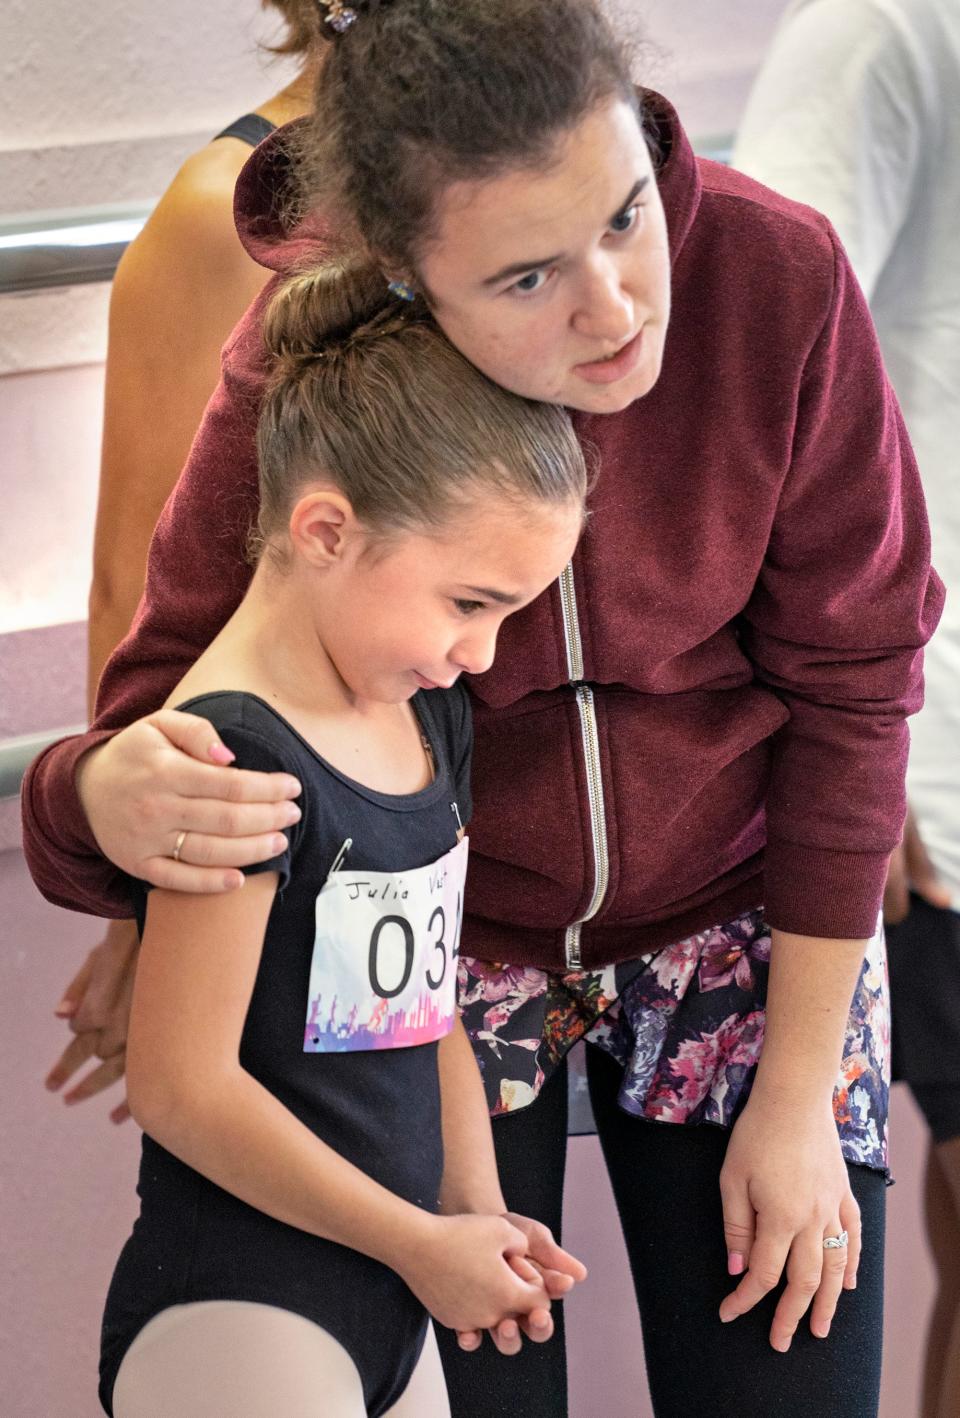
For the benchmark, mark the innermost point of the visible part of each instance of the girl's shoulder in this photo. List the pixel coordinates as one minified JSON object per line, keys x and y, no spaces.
{"x":260,"y":739}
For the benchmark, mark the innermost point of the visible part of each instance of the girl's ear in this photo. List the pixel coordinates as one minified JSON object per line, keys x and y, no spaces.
{"x":321,"y":525}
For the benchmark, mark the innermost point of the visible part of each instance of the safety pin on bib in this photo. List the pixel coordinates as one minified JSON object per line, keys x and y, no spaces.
{"x":340,"y":857}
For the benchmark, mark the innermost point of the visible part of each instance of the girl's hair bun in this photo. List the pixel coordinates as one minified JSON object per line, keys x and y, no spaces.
{"x":323,"y":310}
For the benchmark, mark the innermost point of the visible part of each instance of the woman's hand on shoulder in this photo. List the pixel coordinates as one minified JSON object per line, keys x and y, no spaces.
{"x":785,"y":1190}
{"x":165,"y":807}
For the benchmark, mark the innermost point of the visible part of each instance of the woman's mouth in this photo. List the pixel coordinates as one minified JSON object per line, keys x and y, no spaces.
{"x":613,"y":367}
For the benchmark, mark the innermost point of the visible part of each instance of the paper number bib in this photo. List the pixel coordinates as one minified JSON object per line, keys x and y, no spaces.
{"x":384,"y":967}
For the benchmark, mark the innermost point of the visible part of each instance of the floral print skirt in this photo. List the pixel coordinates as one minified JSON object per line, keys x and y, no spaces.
{"x":686,"y":1023}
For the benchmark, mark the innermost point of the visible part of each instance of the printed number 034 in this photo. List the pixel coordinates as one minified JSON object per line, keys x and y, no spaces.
{"x":436,"y":929}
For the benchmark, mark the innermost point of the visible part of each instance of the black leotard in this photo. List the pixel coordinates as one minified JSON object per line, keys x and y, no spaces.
{"x":379,"y":1108}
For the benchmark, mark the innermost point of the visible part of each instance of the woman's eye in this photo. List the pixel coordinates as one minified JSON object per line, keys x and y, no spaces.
{"x":625,"y":220}
{"x":531,"y":283}
{"x":468,"y":607}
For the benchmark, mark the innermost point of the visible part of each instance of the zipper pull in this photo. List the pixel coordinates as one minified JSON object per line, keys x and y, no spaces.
{"x":456,"y":812}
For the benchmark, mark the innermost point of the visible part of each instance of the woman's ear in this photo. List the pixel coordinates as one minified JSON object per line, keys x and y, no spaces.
{"x":321,"y":526}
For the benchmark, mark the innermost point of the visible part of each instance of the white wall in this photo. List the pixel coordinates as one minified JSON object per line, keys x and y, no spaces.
{"x":78,"y":78}
{"x":700,"y":53}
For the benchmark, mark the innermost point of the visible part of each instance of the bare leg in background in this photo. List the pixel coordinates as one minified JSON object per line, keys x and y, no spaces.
{"x":941,"y":1379}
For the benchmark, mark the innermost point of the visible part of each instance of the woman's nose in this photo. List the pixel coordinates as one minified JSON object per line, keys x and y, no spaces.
{"x":606,"y":308}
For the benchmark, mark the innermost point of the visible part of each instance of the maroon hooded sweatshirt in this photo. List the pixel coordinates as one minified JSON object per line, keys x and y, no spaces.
{"x":707,"y":712}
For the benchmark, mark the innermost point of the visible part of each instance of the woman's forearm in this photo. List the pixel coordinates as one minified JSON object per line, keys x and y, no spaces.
{"x":235,"y":1132}
{"x":811,"y":984}
{"x":470,"y":1180}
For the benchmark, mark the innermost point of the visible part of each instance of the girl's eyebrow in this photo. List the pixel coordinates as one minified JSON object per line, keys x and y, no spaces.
{"x":520,"y":268}
{"x":484,"y":593}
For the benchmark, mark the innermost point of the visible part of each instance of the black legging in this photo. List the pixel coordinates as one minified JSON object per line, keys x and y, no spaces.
{"x":665,"y":1179}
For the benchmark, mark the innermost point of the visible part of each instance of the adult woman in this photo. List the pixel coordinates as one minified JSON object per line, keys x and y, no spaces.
{"x":179,"y":290}
{"x":742,"y":621}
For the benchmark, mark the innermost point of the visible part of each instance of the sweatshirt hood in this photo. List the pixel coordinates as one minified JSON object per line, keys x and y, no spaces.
{"x":263,"y":196}
{"x":678,"y":169}
{"x":265,"y":186}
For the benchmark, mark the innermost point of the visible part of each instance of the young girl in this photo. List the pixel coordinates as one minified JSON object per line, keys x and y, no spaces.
{"x":691,"y":748}
{"x":308,"y":1096}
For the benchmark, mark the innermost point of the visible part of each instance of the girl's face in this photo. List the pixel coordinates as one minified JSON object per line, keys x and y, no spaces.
{"x":556,"y":283}
{"x":420,"y":611}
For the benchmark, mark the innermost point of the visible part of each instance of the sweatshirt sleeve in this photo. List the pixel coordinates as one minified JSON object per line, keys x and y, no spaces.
{"x":196,"y":577}
{"x":843,"y":605}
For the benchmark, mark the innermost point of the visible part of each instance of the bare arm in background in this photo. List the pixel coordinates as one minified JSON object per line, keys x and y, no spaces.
{"x":179,"y":290}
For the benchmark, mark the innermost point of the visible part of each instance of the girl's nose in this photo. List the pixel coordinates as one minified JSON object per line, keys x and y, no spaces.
{"x":474,"y":653}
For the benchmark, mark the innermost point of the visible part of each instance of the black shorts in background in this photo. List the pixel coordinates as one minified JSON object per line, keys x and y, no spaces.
{"x":924,"y":955}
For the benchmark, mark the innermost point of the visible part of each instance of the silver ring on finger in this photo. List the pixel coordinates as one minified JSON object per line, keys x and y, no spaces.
{"x":178,"y":848}
{"x":835,"y":1243}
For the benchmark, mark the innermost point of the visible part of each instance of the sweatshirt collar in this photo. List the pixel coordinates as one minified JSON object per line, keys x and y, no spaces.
{"x":678,"y":174}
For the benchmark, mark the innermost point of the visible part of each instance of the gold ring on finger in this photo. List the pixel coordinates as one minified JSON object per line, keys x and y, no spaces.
{"x":181,"y":838}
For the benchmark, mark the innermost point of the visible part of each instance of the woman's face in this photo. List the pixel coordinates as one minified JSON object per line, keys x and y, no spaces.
{"x":556,"y":282}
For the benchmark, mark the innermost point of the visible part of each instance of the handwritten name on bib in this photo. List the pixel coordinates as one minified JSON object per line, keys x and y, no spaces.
{"x":384,"y":967}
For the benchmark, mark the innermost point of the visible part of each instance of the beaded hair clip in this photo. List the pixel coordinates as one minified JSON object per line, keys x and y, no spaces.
{"x":339,"y":16}
{"x":402,"y":290}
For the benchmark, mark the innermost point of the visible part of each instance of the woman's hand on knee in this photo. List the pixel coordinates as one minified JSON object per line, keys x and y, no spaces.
{"x":785,"y":1191}
{"x":165,"y":807}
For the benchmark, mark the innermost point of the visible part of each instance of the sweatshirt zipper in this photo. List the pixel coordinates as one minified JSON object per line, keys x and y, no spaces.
{"x":591,"y":753}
